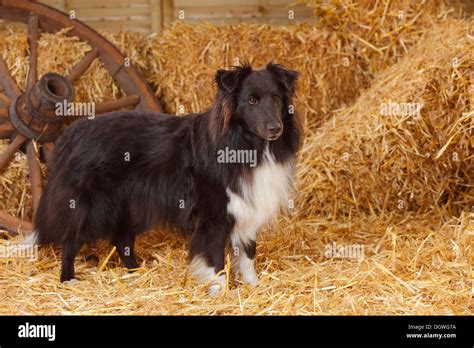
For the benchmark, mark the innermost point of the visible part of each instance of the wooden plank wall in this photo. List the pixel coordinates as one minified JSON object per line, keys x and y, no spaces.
{"x":114,"y":15}
{"x":231,"y":11}
{"x":148,"y":16}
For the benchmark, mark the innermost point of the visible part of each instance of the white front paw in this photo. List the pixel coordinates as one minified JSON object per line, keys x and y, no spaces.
{"x":218,"y":285}
{"x":250,"y":277}
{"x":247,"y":270}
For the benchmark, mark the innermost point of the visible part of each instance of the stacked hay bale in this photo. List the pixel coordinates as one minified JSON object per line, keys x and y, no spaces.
{"x":337,"y":57}
{"x":377,"y":157}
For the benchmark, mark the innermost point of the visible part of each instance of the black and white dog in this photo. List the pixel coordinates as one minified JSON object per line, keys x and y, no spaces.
{"x":125,"y":173}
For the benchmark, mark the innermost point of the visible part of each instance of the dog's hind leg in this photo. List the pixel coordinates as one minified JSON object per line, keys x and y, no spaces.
{"x":125,"y":244}
{"x":69,"y":252}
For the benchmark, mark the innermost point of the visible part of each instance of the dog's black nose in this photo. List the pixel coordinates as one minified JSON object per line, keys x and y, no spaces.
{"x":274,"y":128}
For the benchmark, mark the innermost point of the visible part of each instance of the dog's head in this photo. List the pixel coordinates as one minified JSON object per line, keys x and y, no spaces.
{"x":259,"y":100}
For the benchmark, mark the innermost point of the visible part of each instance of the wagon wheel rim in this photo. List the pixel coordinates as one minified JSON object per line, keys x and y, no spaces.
{"x":14,"y":101}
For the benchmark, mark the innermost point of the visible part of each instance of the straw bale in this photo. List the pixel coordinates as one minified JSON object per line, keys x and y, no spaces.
{"x":362,"y":161}
{"x":336,"y":60}
{"x":15,"y":193}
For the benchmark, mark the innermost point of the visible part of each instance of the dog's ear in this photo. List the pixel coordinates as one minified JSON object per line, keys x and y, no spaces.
{"x":228,"y":80}
{"x":286,"y":77}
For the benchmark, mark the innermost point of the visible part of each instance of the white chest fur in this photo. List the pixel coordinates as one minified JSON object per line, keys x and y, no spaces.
{"x":259,"y":199}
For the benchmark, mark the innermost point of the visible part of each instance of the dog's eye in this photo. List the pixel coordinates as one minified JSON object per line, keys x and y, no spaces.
{"x":253,"y":100}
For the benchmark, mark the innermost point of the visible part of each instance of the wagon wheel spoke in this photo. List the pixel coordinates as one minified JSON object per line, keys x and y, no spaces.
{"x":102,"y":108}
{"x":31,"y":150}
{"x":35,"y":173}
{"x":48,"y":151}
{"x":13,"y":147}
{"x":9,"y":85}
{"x":14,"y":225}
{"x":80,"y":68}
{"x":3,"y":114}
{"x":5,"y":100}
{"x":33,"y":43}
{"x":6,"y":127}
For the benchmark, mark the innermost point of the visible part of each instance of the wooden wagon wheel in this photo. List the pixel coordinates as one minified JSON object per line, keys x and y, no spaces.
{"x":28,"y":118}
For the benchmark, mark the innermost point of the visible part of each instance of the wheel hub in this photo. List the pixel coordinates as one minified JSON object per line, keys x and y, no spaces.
{"x":33,"y":113}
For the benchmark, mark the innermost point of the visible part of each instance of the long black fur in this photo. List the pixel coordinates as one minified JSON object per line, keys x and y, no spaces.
{"x":125,"y":173}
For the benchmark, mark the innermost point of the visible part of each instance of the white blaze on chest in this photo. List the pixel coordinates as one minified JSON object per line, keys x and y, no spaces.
{"x":259,"y":199}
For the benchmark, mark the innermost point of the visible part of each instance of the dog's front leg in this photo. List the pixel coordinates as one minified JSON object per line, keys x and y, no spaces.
{"x":243,"y":255}
{"x":207,"y":256}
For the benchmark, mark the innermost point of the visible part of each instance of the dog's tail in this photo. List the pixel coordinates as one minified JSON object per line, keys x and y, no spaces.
{"x":61,"y":213}
{"x":30,"y":240}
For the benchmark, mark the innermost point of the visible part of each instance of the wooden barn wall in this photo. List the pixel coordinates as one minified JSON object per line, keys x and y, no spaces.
{"x":148,"y":16}
{"x":232,"y":11}
{"x":113,"y":15}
